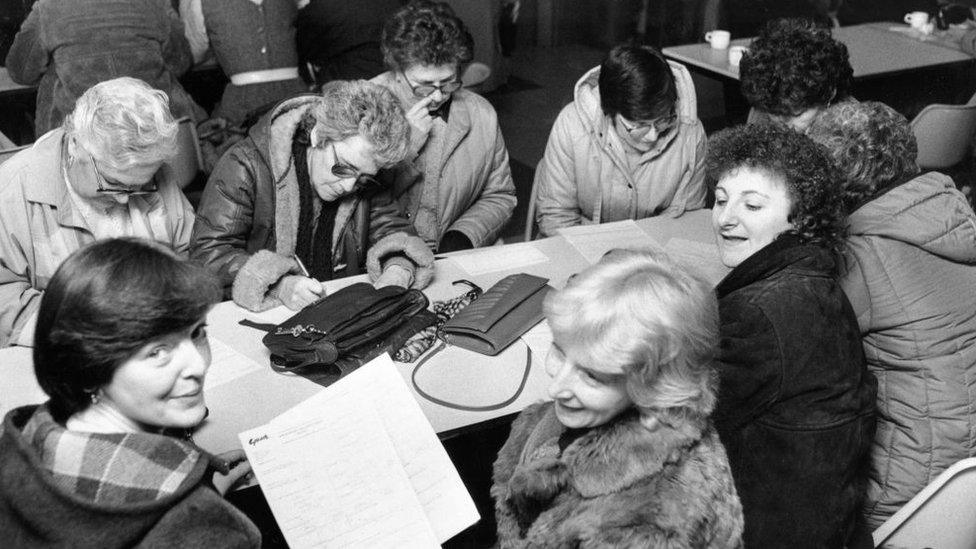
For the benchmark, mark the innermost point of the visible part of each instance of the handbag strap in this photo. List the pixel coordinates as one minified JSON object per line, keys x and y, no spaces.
{"x":464,"y":407}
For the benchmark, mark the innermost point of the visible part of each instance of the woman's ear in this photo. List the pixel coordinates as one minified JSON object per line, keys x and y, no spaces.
{"x":316,"y":136}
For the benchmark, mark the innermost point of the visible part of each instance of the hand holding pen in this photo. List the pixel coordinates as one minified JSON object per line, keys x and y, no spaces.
{"x":297,"y":291}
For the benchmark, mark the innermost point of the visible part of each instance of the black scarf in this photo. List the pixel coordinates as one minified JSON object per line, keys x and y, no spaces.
{"x":314,"y":243}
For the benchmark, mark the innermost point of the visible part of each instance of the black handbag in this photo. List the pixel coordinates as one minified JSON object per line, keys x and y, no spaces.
{"x":338,"y":333}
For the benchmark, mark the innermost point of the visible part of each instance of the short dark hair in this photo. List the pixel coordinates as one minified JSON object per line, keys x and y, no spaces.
{"x":104,"y":303}
{"x":812,"y":182}
{"x":872,"y":145}
{"x":794,"y":65}
{"x":636,"y":82}
{"x":425,"y":33}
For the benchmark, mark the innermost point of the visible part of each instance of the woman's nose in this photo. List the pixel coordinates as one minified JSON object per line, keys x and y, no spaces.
{"x":195,"y":357}
{"x":562,"y":381}
{"x":727,"y":216}
{"x":437,"y":96}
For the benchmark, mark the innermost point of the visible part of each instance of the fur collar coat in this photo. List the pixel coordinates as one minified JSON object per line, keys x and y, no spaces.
{"x":616,"y":485}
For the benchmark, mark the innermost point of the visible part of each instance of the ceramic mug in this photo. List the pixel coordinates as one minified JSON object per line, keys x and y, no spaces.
{"x":735,"y":54}
{"x":917,"y":19}
{"x":719,"y":39}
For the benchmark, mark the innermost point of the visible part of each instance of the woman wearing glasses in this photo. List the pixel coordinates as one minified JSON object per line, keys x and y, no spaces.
{"x":295,"y":202}
{"x":629,"y":146}
{"x":103,"y":174}
{"x":456,"y":185}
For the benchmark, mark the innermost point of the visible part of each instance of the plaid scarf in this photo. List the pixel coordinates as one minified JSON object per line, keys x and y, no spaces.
{"x":111,"y":468}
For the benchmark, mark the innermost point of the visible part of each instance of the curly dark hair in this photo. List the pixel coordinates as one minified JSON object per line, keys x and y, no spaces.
{"x":425,"y":33}
{"x":794,"y":65}
{"x":812,"y":183}
{"x":872,"y":146}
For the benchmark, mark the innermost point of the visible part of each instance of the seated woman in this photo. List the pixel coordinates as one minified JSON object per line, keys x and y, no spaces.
{"x":107,"y":462}
{"x":629,"y":146}
{"x":104,"y":174}
{"x":299,"y":193}
{"x":625,"y":455}
{"x":796,"y":402}
{"x":65,"y":48}
{"x":792,"y":70}
{"x":456,"y":185}
{"x":909,"y":271}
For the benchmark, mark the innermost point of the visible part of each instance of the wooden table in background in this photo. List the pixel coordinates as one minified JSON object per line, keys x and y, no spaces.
{"x":876,"y":52}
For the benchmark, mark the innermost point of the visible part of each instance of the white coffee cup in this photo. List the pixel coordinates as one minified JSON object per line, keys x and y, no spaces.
{"x":917,"y":19}
{"x":719,"y":39}
{"x":735,"y":54}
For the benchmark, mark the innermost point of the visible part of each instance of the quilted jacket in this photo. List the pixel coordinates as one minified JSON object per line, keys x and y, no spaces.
{"x":584,"y":176}
{"x":910,"y":273}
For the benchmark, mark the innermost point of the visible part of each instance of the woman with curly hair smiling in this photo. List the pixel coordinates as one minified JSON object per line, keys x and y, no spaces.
{"x":792,"y":70}
{"x":796,"y":402}
{"x":909,"y":271}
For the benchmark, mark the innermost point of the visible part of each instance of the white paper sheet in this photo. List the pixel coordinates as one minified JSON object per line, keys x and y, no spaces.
{"x":593,"y":241}
{"x":369,"y":431}
{"x":335,"y":480}
{"x":699,"y":257}
{"x":226,"y":365}
{"x":499,"y":258}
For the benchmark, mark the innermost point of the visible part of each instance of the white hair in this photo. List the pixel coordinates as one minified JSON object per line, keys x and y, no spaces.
{"x":649,"y":316}
{"x":123,"y":122}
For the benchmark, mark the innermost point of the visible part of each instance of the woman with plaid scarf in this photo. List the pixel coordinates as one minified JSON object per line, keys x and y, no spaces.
{"x":121,"y":349}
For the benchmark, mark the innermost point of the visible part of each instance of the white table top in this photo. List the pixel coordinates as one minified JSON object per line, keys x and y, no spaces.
{"x":876,"y":49}
{"x":454,"y":375}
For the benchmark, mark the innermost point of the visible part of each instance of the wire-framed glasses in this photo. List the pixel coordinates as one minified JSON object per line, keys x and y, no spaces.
{"x":107,"y":188}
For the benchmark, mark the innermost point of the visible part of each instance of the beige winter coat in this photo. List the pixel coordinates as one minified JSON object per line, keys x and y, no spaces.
{"x":586,"y":178}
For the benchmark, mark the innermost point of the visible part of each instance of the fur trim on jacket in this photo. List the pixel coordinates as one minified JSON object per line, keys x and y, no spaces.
{"x":616,"y":485}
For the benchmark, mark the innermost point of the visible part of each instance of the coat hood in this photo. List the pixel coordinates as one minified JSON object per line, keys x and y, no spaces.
{"x":273,"y":135}
{"x":587,"y":100}
{"x":927,"y":212}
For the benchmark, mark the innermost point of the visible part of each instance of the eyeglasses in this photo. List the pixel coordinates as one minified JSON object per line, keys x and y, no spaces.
{"x":365,"y":183}
{"x":660,"y":125}
{"x":423,"y":90}
{"x":106,"y":188}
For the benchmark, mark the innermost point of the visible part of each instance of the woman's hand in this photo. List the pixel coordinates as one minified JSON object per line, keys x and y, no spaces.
{"x":420,"y":123}
{"x":296,"y":291}
{"x":239,"y":475}
{"x":394,"y":275}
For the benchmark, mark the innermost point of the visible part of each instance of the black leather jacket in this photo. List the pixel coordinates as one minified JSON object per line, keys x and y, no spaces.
{"x":796,"y":402}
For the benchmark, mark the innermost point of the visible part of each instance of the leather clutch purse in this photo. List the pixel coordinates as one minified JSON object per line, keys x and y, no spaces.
{"x":504,"y":312}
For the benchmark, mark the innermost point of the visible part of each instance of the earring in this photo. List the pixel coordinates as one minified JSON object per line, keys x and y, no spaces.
{"x":93,"y":396}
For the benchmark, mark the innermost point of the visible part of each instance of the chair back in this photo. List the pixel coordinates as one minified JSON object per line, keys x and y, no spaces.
{"x":941,"y":516}
{"x":189,"y":158}
{"x":6,"y":154}
{"x":944,"y":134}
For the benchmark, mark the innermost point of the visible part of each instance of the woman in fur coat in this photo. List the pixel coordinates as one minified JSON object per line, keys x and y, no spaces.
{"x":625,"y":455}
